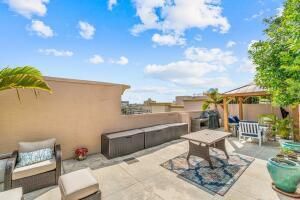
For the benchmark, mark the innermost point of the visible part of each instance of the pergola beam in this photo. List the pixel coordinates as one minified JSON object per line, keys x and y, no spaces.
{"x":225,"y":107}
{"x":250,"y":94}
{"x":241,"y":113}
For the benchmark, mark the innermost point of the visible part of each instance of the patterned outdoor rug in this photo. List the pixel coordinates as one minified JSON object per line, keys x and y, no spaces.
{"x":219,"y":179}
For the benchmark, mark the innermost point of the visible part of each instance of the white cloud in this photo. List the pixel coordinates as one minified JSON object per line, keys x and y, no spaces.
{"x":198,"y":37}
{"x":205,"y":82}
{"x":41,"y":29}
{"x":279,"y":11}
{"x":111,"y":4}
{"x":27,"y":8}
{"x":87,"y":30}
{"x":157,"y":90}
{"x":174,"y":17}
{"x":230,"y":44}
{"x":96,"y":59}
{"x":122,"y":61}
{"x":168,"y":39}
{"x":247,"y":66}
{"x":213,"y":56}
{"x":251,"y":43}
{"x":55,"y":52}
{"x":180,"y":69}
{"x":187,"y":73}
{"x":258,"y":15}
{"x":196,"y":69}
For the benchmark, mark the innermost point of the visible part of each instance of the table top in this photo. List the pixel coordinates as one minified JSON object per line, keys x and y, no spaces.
{"x":206,"y":136}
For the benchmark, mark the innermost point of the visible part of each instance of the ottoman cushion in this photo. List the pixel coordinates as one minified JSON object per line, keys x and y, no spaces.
{"x":13,"y":194}
{"x":78,"y":184}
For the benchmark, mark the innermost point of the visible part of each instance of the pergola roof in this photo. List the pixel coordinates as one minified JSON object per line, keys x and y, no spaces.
{"x":245,"y":91}
{"x":241,"y":93}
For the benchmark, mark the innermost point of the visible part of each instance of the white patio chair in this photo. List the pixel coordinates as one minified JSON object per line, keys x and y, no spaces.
{"x":251,"y":130}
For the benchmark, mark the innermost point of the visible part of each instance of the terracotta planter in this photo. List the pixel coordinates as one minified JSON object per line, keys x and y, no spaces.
{"x":285,"y":174}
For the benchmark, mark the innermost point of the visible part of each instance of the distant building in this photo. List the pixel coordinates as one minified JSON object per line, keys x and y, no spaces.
{"x":194,"y":103}
{"x":131,"y":109}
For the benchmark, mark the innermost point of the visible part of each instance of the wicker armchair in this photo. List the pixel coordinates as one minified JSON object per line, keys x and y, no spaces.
{"x":34,"y":182}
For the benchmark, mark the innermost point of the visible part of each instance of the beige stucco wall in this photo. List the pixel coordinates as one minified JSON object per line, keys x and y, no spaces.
{"x":176,"y":109}
{"x":76,"y":114}
{"x":160,"y":108}
{"x":252,"y":111}
{"x":192,"y":105}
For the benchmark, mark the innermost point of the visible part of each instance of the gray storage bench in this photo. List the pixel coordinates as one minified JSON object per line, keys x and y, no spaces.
{"x":156,"y":135}
{"x":126,"y":142}
{"x":122,"y":143}
{"x":177,"y":130}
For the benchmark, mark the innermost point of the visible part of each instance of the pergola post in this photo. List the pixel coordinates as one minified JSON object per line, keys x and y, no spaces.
{"x":225,"y":105}
{"x":241,"y":114}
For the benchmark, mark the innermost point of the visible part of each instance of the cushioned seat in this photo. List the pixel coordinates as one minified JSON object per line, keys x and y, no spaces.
{"x":13,"y":194}
{"x":78,"y":185}
{"x":33,"y":169}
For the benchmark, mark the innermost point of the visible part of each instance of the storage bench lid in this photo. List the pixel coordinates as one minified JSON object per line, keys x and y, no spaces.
{"x":124,"y":133}
{"x":154,"y":128}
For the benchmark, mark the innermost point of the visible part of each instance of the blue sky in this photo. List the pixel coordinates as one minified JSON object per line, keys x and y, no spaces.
{"x":161,"y":48}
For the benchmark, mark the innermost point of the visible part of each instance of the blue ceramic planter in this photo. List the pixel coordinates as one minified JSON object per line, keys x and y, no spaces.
{"x":293,"y":146}
{"x":285,"y":174}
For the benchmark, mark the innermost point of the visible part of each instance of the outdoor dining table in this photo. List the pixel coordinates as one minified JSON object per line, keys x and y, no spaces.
{"x":201,"y":141}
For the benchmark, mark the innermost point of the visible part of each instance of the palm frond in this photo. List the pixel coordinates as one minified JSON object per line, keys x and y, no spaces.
{"x":205,"y":105}
{"x":20,"y":71}
{"x":22,"y":77}
{"x":214,"y":98}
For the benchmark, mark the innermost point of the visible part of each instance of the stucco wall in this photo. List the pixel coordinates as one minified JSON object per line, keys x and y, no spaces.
{"x":192,"y":105}
{"x":76,"y":114}
{"x":252,"y":111}
{"x":159,"y":108}
{"x":176,"y":109}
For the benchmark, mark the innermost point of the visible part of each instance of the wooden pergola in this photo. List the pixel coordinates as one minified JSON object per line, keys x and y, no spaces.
{"x":241,"y":93}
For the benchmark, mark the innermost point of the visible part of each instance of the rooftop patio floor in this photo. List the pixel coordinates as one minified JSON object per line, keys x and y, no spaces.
{"x":144,"y":178}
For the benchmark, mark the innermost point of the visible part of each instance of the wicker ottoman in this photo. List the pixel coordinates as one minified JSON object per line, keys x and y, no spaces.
{"x":80,"y":184}
{"x":13,"y":194}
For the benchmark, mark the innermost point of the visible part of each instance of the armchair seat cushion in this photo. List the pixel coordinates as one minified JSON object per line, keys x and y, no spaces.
{"x":13,"y":194}
{"x":249,"y":135}
{"x":34,"y":169}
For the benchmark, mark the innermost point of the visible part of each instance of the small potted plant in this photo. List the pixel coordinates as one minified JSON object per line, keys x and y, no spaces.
{"x":284,"y":129}
{"x":81,"y":153}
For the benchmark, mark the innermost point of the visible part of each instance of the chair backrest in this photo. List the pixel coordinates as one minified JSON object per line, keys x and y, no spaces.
{"x":248,"y":127}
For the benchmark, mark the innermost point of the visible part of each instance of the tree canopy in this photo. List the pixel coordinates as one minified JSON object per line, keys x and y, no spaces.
{"x":277,"y":58}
